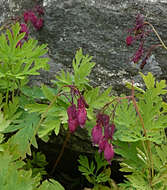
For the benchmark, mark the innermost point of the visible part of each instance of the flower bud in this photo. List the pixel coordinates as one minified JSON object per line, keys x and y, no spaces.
{"x":129,"y":40}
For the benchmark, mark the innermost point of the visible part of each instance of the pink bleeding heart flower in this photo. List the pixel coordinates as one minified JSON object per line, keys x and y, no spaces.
{"x":26,"y":16}
{"x":72,"y":125}
{"x":30,"y":15}
{"x":71,"y":111}
{"x":72,"y":118}
{"x":81,"y":112}
{"x":102,"y":144}
{"x":96,"y":134}
{"x":103,"y":119}
{"x":109,"y":131}
{"x":108,"y":152}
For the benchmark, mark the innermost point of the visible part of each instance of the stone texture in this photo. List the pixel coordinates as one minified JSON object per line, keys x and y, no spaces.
{"x":100,"y":28}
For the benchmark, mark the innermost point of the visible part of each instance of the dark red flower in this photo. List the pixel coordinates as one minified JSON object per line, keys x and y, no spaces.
{"x":73,"y":124}
{"x":71,"y":111}
{"x":103,"y":119}
{"x":72,"y":118}
{"x":139,"y":23}
{"x":82,"y":116}
{"x":23,"y":28}
{"x":109,"y":131}
{"x":81,"y":112}
{"x":129,"y":40}
{"x":26,"y":16}
{"x":102,"y":144}
{"x":38,"y":23}
{"x":96,"y":134}
{"x":39,"y":10}
{"x":30,"y":16}
{"x":108,"y":152}
{"x":139,"y":26}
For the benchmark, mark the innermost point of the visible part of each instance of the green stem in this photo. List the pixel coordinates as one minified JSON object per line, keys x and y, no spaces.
{"x":151,"y":161}
{"x":7,"y":93}
{"x":148,"y":150}
{"x":7,"y":96}
{"x":13,"y":95}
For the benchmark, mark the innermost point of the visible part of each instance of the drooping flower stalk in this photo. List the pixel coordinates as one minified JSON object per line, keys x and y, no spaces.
{"x":77,"y":116}
{"x":139,"y":33}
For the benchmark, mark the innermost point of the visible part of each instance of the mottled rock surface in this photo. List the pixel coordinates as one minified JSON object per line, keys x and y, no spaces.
{"x":100,"y":28}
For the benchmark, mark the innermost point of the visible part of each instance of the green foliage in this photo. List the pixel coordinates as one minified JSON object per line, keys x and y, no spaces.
{"x":96,"y":100}
{"x":143,"y":145}
{"x":17,"y":63}
{"x":14,"y":176}
{"x":27,"y":126}
{"x":95,"y":172}
{"x":160,"y":165}
{"x":150,"y":106}
{"x":82,"y":67}
{"x":57,"y":114}
{"x":34,"y":92}
{"x":125,"y":121}
{"x":51,"y":185}
{"x":37,"y":164}
{"x":131,"y":156}
{"x":9,"y":115}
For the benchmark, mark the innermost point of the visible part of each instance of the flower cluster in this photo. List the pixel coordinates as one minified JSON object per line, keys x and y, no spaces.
{"x":77,"y":114}
{"x":30,"y":16}
{"x":102,"y":135}
{"x":138,"y":33}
